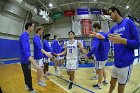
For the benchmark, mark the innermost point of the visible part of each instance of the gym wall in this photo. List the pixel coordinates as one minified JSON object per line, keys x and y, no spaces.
{"x":12,"y":20}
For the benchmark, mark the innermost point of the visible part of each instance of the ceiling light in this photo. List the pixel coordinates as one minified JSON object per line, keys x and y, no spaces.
{"x":50,"y":5}
{"x":35,"y":10}
{"x":127,"y":6}
{"x":40,"y":12}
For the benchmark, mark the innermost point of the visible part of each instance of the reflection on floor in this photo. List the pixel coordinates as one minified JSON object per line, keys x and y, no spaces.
{"x":11,"y":81}
{"x":83,"y":79}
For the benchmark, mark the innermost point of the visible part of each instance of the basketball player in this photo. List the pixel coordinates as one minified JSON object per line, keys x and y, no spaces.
{"x":100,"y":48}
{"x":61,"y":42}
{"x":56,"y":49}
{"x":71,"y":51}
{"x":47,"y":48}
{"x":125,"y":37}
{"x":38,"y":53}
{"x":26,"y":58}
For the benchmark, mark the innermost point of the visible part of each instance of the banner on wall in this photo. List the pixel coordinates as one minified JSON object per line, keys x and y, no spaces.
{"x":95,"y":11}
{"x":82,"y":11}
{"x":86,"y":27}
{"x":57,"y":15}
{"x":69,"y":13}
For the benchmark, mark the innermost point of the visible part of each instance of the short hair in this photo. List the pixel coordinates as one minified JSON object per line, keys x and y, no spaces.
{"x":39,"y":28}
{"x":71,"y":32}
{"x":54,"y":36}
{"x":28,"y":24}
{"x":96,"y":25}
{"x":46,"y":35}
{"x":113,"y":9}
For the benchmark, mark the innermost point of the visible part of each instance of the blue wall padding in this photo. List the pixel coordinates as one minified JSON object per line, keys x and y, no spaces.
{"x":11,"y":61}
{"x":86,"y":65}
{"x":9,"y":48}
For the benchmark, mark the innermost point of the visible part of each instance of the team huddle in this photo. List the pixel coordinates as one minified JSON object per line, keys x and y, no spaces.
{"x":124,"y":35}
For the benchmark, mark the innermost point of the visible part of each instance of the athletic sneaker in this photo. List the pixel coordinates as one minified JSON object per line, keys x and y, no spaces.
{"x":105,"y":82}
{"x":47,"y":73}
{"x":61,"y":67}
{"x":42,"y":81}
{"x":47,"y":78}
{"x":97,"y":86}
{"x":42,"y":84}
{"x":71,"y":84}
{"x":33,"y":91}
{"x":26,"y":88}
{"x":94,"y":78}
{"x":57,"y":72}
{"x":94,"y":71}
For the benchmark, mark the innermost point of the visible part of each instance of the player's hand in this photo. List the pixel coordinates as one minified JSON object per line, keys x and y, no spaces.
{"x":38,"y":68}
{"x":55,"y":54}
{"x":97,"y":35}
{"x":115,"y":38}
{"x":48,"y":54}
{"x":86,"y":57}
{"x":58,"y":54}
{"x":92,"y":34}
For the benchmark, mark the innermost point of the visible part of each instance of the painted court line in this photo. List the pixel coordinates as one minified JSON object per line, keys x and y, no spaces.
{"x":55,"y":83}
{"x":75,"y":84}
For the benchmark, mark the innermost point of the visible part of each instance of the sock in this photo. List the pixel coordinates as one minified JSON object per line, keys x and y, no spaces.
{"x":96,"y":75}
{"x":99,"y":85}
{"x":70,"y":85}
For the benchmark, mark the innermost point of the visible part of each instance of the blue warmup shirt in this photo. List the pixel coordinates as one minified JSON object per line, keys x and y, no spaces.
{"x":37,"y":47}
{"x":62,"y":46}
{"x":100,"y":48}
{"x":47,"y":48}
{"x":24,"y":48}
{"x":56,"y":46}
{"x":124,"y":54}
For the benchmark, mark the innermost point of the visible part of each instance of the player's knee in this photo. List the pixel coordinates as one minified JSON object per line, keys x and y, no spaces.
{"x":112,"y":83}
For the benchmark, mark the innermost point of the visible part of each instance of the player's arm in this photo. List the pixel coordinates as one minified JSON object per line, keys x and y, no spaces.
{"x":97,"y":35}
{"x":46,"y":53}
{"x":132,"y":42}
{"x":81,"y":48}
{"x":36,"y":66}
{"x":25,"y":45}
{"x":47,"y":46}
{"x":64,"y":52}
{"x":39,"y":46}
{"x":94,"y":47}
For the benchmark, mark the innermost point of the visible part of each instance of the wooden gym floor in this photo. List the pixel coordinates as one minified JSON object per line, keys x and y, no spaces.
{"x":11,"y":81}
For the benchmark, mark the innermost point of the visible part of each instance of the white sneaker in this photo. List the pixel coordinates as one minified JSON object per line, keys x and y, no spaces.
{"x":61,"y":67}
{"x":47,"y":73}
{"x":58,"y":69}
{"x":105,"y":82}
{"x":42,"y":81}
{"x":97,"y":86}
{"x":94,"y":78}
{"x":42,"y":84}
{"x":33,"y":91}
{"x":57,"y":72}
{"x":26,"y":88}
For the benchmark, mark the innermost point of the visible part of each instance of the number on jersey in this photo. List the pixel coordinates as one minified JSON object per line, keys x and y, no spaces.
{"x":70,"y":50}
